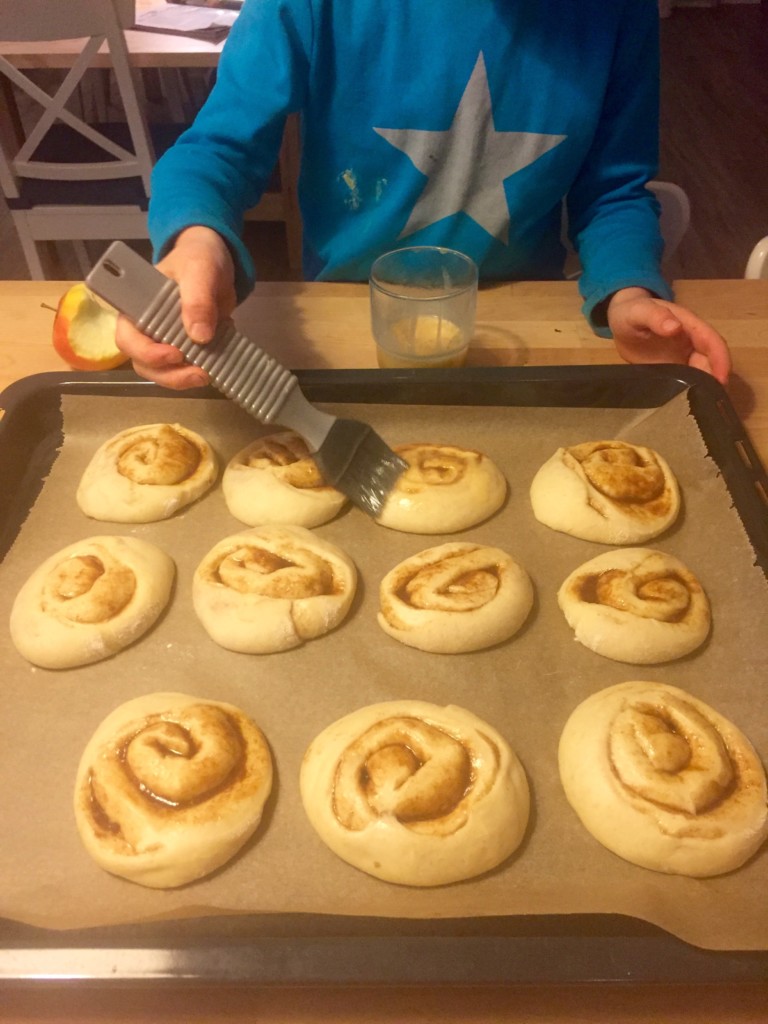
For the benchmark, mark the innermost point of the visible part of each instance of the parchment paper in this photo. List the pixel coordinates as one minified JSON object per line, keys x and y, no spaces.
{"x":526,"y":687}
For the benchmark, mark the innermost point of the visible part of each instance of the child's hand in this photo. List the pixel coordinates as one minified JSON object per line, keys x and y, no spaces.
{"x":650,"y":330}
{"x":202,"y":266}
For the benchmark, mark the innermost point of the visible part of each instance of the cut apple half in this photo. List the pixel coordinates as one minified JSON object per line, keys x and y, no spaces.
{"x":84,"y":331}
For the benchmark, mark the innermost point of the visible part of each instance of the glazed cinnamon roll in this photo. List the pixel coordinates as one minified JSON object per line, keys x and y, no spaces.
{"x":90,"y":600}
{"x":444,"y":489}
{"x":663,"y":780}
{"x":272,"y":588}
{"x":415,"y":793}
{"x":275,"y":480}
{"x":636,"y":605}
{"x":170,"y":787}
{"x":146,"y":473}
{"x":606,"y":491}
{"x":455,"y":597}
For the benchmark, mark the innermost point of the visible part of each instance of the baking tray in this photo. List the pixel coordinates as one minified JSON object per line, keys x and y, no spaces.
{"x":336,"y":949}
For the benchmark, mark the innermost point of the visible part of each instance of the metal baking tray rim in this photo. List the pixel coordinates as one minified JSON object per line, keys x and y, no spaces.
{"x":336,"y":949}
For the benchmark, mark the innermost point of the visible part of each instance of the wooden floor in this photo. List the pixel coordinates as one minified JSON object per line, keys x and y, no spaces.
{"x":714,"y":143}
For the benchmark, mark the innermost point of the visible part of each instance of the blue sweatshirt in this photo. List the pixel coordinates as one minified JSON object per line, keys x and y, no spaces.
{"x":462,"y":123}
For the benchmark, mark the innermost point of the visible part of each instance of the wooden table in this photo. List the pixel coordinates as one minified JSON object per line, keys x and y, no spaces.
{"x":518,"y":324}
{"x":327,"y":325}
{"x":147,"y":49}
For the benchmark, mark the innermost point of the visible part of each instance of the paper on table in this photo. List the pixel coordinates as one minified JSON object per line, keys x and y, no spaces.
{"x":526,"y":688}
{"x":197,"y":22}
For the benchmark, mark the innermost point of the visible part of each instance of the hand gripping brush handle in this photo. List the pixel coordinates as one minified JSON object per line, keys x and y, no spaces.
{"x":350,"y":454}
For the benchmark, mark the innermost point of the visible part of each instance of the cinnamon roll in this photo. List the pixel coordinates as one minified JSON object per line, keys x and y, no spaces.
{"x":663,"y":780}
{"x":170,"y":787}
{"x":272,"y":588}
{"x":611,"y":492}
{"x":275,"y":480}
{"x":90,"y":600}
{"x":414,"y":793}
{"x":146,"y":473}
{"x":444,"y":489}
{"x":636,"y":605}
{"x":455,"y":597}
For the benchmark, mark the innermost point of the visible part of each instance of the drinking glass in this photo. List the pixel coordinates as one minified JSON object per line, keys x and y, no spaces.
{"x":423,"y":301}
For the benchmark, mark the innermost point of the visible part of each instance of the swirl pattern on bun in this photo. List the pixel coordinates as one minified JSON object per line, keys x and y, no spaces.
{"x":90,"y":600}
{"x":170,"y":787}
{"x":636,"y":605}
{"x":444,"y":489}
{"x":414,"y":793}
{"x":147,"y":473}
{"x":455,"y":597}
{"x":275,"y":480}
{"x":272,"y":588}
{"x":611,"y":492}
{"x":663,"y":780}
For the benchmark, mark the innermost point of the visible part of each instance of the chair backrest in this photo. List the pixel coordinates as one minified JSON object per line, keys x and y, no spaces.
{"x":675,"y":216}
{"x":98,"y":23}
{"x":757,"y":264}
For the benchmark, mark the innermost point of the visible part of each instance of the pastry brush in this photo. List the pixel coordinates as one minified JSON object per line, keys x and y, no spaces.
{"x":350,"y":454}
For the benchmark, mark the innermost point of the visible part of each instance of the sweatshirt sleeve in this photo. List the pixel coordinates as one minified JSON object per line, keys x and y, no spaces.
{"x":613,"y":218}
{"x":219,"y":167}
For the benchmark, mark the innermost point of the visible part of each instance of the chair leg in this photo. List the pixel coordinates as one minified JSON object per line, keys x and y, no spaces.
{"x":290,"y":158}
{"x":175,"y":94}
{"x":29,"y":248}
{"x":10,"y":118}
{"x":84,"y":261}
{"x":94,"y":91}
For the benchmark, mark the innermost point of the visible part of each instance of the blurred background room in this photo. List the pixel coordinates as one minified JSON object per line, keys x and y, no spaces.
{"x":714,"y":144}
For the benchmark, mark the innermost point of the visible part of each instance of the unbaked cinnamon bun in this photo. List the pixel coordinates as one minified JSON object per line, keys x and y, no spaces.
{"x":444,"y":489}
{"x":663,"y":780}
{"x":606,"y":491}
{"x":90,"y":600}
{"x":275,"y":480}
{"x":272,"y":588}
{"x":636,"y":605}
{"x":414,"y":793}
{"x":147,"y":473}
{"x":170,"y":787}
{"x":455,"y":597}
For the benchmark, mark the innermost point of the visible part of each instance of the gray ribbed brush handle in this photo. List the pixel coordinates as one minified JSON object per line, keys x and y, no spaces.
{"x":237,"y":367}
{"x":350,"y":455}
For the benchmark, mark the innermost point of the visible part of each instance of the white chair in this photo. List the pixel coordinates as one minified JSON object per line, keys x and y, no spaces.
{"x":757,"y":264}
{"x":675,"y":215}
{"x":674,"y":220}
{"x":64,"y":178}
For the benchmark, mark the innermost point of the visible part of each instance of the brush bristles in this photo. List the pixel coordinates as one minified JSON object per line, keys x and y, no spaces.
{"x":355,"y":460}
